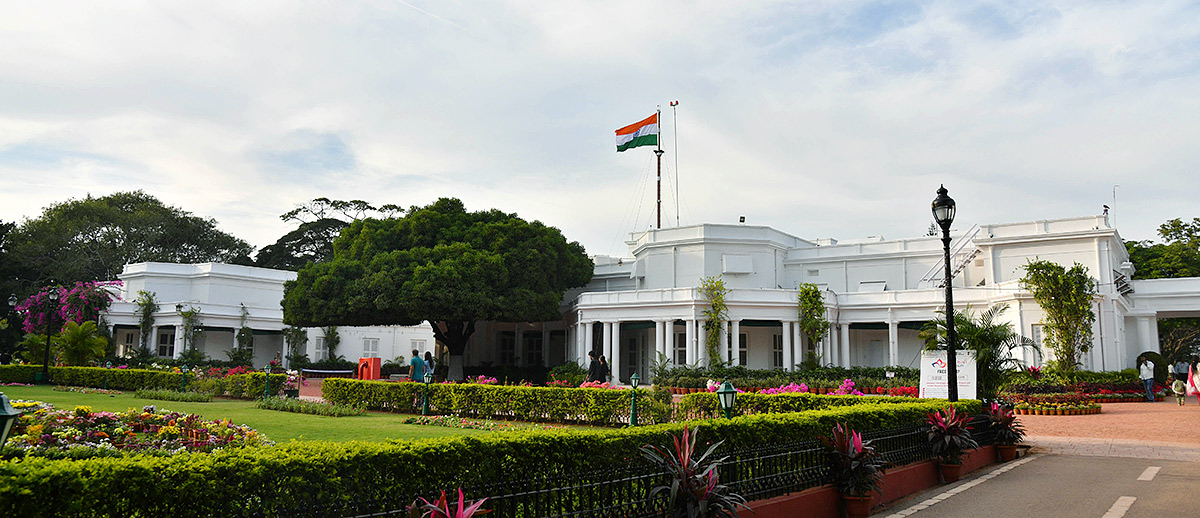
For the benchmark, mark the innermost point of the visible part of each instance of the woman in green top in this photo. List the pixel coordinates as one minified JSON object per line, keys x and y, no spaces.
{"x":417,"y":372}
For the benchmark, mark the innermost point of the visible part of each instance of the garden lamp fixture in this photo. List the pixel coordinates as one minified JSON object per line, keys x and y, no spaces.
{"x":943,"y":213}
{"x":12,"y":301}
{"x":633,"y":380}
{"x":8,"y":417}
{"x":425,"y":400}
{"x":266,"y":382}
{"x":52,"y":296}
{"x":727,"y":396}
{"x":183,"y":382}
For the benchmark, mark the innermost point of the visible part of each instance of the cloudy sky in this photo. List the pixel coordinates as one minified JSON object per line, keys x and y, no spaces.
{"x":822,"y":119}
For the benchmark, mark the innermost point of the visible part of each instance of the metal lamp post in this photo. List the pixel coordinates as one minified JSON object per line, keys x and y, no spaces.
{"x":943,"y":213}
{"x":12,"y":306}
{"x":107,"y":369}
{"x":267,"y":381}
{"x":53,"y":297}
{"x":425,"y":403}
{"x":8,"y":417}
{"x":727,"y":397}
{"x":633,"y":380}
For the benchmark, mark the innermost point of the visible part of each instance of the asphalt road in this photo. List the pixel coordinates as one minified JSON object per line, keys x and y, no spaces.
{"x":1065,"y":487}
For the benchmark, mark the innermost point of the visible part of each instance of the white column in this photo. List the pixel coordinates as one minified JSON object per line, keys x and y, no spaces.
{"x":179,"y":343}
{"x":724,"y":342}
{"x":735,"y":347}
{"x":1144,"y":338}
{"x":786,"y":331}
{"x":689,"y":341}
{"x":893,"y":344}
{"x":829,"y":345}
{"x":797,"y":346}
{"x":701,"y":344}
{"x":588,"y":346}
{"x":606,"y":345}
{"x":615,"y":359}
{"x":658,"y":337}
{"x":545,"y":346}
{"x":844,"y":357}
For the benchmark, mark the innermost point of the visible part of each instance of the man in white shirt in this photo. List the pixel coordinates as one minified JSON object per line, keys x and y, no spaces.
{"x":1146,"y":368}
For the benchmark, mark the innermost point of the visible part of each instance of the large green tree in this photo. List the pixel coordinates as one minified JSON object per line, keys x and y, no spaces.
{"x":443,"y":265}
{"x":1068,"y":298}
{"x":93,"y":238}
{"x":320,"y":222}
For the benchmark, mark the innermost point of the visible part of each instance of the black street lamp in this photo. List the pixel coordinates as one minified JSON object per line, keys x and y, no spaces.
{"x":6,"y":356}
{"x":633,"y":380}
{"x":53,"y":298}
{"x":943,"y":213}
{"x":425,"y":404}
{"x":727,"y":397}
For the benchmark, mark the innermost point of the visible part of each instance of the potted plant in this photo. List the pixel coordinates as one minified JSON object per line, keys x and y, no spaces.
{"x":291,"y":387}
{"x":442,"y":508}
{"x":950,"y":437}
{"x":694,"y":489}
{"x":856,"y":469}
{"x":1009,"y":431}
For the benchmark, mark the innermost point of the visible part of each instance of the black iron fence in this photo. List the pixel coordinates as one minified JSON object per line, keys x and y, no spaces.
{"x":756,"y":473}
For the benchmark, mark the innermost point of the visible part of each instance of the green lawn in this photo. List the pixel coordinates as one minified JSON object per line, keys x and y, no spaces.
{"x":277,"y":426}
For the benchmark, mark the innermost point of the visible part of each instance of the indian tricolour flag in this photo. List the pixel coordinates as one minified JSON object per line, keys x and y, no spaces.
{"x":643,"y":133}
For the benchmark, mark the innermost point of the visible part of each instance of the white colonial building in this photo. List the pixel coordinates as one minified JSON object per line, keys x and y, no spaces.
{"x":879,"y":293}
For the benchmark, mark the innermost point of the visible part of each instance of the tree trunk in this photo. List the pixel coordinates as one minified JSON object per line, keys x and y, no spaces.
{"x":454,"y":335}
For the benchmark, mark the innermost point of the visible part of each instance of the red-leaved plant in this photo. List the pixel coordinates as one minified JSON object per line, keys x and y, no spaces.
{"x":695,"y":489}
{"x":441,"y":508}
{"x":854,"y":465}
{"x":949,"y":435}
{"x":1008,"y":429}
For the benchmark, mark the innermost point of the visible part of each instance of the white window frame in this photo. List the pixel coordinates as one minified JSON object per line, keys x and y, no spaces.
{"x":370,"y":348}
{"x":166,"y":343}
{"x":321,"y":352}
{"x":777,"y":351}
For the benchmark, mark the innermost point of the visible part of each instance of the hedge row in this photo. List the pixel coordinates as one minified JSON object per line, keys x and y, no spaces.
{"x":248,"y":386}
{"x":534,"y":404}
{"x":271,"y":480}
{"x":704,"y":405}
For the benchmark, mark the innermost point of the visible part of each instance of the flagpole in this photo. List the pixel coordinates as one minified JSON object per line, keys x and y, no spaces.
{"x":658,"y":152}
{"x":675,"y":134}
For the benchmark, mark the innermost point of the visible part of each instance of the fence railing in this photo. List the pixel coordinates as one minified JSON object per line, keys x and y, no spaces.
{"x":756,"y":473}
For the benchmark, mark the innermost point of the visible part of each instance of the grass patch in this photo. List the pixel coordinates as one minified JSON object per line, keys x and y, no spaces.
{"x":279,"y":427}
{"x":301,"y":406}
{"x":173,"y":395}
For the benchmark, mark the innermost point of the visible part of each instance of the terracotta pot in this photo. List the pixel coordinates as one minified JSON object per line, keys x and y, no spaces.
{"x":857,"y":506}
{"x":1006,"y":452}
{"x":950,"y":472}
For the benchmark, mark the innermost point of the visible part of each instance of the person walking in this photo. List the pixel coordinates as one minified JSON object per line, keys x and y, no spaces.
{"x":416,"y":370}
{"x":1193,"y":380}
{"x":605,"y":369}
{"x":1146,"y":368}
{"x":595,"y":371}
{"x":430,"y":363}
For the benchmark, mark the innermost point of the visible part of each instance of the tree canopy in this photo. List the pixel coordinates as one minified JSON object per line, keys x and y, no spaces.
{"x":320,"y":221}
{"x":443,"y":265}
{"x":1177,"y":256}
{"x":1067,"y":296}
{"x":93,"y":238}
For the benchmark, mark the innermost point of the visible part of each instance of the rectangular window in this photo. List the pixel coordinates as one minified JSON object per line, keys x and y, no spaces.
{"x":129,"y":338}
{"x":166,"y":343}
{"x":370,"y":348}
{"x":533,"y":349}
{"x":418,"y":345}
{"x":777,"y":352}
{"x":742,"y":349}
{"x":1036,"y":336}
{"x":508,"y":348}
{"x":680,"y":349}
{"x":322,"y":353}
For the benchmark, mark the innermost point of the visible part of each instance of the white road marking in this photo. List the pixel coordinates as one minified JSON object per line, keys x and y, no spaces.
{"x":1120,"y":507}
{"x":1149,"y":473}
{"x":944,"y":495}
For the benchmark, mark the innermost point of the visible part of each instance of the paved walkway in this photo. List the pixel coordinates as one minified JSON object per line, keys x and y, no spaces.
{"x":1162,"y":430}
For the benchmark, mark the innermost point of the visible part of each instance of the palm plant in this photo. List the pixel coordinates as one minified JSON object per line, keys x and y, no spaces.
{"x":854,"y":464}
{"x":949,"y":435}
{"x":695,"y":489}
{"x":993,"y":342}
{"x":79,"y":343}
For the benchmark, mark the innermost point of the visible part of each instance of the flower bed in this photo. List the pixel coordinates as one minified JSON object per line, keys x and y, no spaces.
{"x":1055,"y":404}
{"x":300,"y":406}
{"x":87,"y":390}
{"x":450,"y":421}
{"x":42,"y":430}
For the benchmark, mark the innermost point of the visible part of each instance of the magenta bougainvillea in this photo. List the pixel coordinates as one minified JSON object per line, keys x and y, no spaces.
{"x":82,"y":302}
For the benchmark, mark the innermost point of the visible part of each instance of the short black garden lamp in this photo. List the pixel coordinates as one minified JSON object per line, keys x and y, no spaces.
{"x":52,"y":296}
{"x":267,"y":381}
{"x":633,"y":380}
{"x":727,"y":396}
{"x":8,"y":417}
{"x":107,"y":368}
{"x":183,"y":382}
{"x":425,"y":404}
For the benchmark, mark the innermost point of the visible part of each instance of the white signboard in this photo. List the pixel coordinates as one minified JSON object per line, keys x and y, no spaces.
{"x":934,"y":375}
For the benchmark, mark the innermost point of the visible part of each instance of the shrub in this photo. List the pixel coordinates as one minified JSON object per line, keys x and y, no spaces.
{"x":247,"y":386}
{"x":301,"y":406}
{"x":704,"y":405}
{"x":173,"y":395}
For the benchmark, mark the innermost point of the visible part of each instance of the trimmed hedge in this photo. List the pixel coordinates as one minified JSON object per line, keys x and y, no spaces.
{"x":534,"y":404}
{"x":704,"y":405}
{"x":271,"y":480}
{"x":246,"y":386}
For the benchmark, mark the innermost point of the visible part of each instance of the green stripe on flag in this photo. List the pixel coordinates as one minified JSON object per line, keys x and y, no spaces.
{"x":644,"y":140}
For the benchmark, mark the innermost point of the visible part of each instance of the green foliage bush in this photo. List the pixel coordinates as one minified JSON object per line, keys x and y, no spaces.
{"x":300,"y":406}
{"x":174,"y":395}
{"x":704,"y":405}
{"x":245,"y":386}
{"x":237,"y":482}
{"x":865,"y":378}
{"x":534,"y":404}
